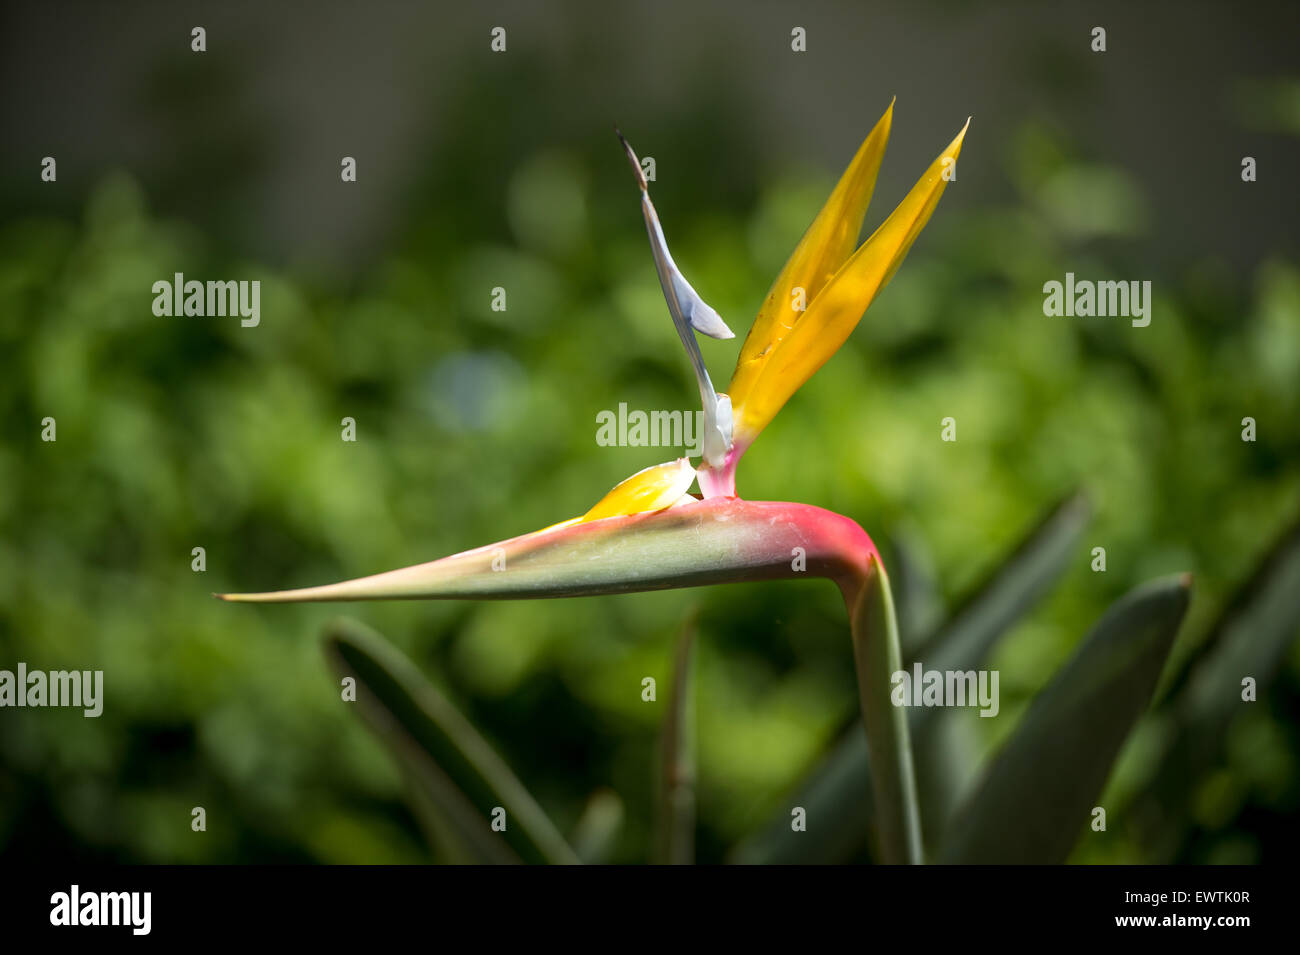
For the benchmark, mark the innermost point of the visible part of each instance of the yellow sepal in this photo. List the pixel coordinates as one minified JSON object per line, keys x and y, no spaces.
{"x":769,"y":379}
{"x":652,"y":489}
{"x":823,"y":249}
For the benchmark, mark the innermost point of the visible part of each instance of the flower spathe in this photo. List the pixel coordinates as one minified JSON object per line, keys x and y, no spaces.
{"x":721,"y":540}
{"x":648,"y":532}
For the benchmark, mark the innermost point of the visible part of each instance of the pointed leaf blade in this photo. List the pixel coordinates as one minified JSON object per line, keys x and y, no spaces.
{"x":838,"y":788}
{"x":1249,"y":638}
{"x":460,"y":772}
{"x":1035,"y":797}
{"x":1011,"y":591}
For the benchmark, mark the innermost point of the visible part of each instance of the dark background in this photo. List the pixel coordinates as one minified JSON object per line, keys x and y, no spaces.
{"x":479,"y":169}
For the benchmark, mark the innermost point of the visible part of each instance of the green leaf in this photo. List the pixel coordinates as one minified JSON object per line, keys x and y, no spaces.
{"x":948,"y":750}
{"x":449,"y":846}
{"x":1010,"y":591}
{"x":1249,"y":638}
{"x":597,"y":829}
{"x":947,"y":764}
{"x":916,"y":591}
{"x":834,"y":789}
{"x":444,"y":755}
{"x":676,"y":841}
{"x":878,"y":656}
{"x":1036,"y":794}
{"x":837,"y":801}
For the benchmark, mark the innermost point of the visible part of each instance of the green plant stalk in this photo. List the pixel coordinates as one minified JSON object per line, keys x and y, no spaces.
{"x":677,"y":769}
{"x":720,"y":540}
{"x":878,"y":655}
{"x":963,"y":642}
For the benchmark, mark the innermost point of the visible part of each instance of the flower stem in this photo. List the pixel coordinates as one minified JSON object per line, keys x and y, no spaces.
{"x":677,"y":758}
{"x":878,"y":656}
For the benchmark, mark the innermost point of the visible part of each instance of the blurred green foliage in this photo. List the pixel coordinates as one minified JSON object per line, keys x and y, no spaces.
{"x":475,"y":425}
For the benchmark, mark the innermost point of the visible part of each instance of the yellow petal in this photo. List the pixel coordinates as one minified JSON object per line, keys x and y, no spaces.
{"x":650,"y":490}
{"x":837,"y":309}
{"x":822,"y":250}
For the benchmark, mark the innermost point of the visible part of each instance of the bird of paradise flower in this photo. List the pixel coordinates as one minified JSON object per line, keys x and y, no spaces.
{"x":649,"y":532}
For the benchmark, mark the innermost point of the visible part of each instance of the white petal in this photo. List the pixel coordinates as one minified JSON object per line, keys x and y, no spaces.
{"x":699,"y":313}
